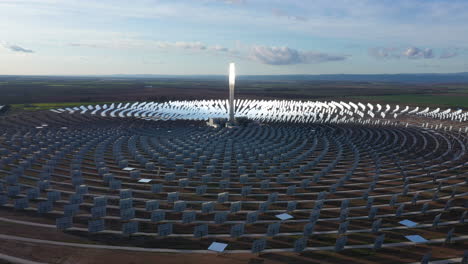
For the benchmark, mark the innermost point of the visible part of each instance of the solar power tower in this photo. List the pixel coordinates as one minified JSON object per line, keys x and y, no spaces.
{"x":232,"y":80}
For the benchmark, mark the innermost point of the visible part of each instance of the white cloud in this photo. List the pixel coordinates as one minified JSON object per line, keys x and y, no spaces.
{"x":16,"y":48}
{"x":83,"y":45}
{"x":219,"y":48}
{"x":130,"y":43}
{"x":396,"y":53}
{"x":132,"y":27}
{"x":286,"y":56}
{"x":417,"y":53}
{"x":417,"y":21}
{"x":190,"y":45}
{"x":181,"y":44}
{"x":448,"y":54}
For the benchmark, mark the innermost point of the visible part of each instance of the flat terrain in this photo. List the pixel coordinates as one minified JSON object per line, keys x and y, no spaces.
{"x":32,"y":236}
{"x":39,"y":93}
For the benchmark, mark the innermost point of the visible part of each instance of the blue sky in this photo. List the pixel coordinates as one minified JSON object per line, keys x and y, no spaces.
{"x":74,"y":37}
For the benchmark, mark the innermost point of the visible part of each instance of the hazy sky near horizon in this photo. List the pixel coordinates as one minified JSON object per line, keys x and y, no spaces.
{"x":74,"y":37}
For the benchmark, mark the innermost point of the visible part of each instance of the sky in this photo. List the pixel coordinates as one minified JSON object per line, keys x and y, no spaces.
{"x":84,"y":37}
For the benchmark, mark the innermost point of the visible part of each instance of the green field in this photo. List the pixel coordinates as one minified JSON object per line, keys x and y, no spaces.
{"x":42,"y":93}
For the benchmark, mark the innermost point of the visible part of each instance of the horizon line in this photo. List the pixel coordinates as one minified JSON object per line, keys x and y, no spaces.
{"x":226,"y":75}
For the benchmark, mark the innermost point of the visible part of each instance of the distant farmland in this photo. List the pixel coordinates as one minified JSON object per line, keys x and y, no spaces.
{"x":33,"y":93}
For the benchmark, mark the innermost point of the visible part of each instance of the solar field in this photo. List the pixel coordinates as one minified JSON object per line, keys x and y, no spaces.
{"x":300,"y":177}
